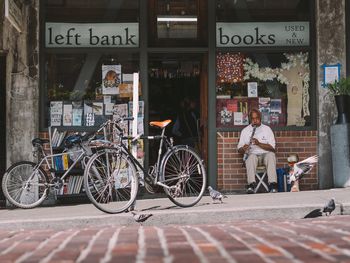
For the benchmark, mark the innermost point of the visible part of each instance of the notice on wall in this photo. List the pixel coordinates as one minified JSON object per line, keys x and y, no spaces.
{"x":331,"y":73}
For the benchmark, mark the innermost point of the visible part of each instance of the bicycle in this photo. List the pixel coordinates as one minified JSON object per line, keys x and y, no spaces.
{"x":26,"y":184}
{"x":112,"y":175}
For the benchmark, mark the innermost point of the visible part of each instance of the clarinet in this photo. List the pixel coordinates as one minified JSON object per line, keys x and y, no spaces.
{"x":246,"y":154}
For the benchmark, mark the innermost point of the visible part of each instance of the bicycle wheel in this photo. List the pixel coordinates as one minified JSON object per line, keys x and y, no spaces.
{"x":111,"y":181}
{"x":184,"y":174}
{"x":24,"y":186}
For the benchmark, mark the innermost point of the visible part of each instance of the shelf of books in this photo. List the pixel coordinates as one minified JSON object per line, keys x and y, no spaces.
{"x":73,"y":185}
{"x":233,"y":112}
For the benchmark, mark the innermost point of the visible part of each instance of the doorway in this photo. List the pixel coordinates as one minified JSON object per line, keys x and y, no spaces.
{"x":178,"y":84}
{"x":2,"y":122}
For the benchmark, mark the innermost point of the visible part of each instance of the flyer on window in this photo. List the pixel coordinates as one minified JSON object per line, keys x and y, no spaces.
{"x":67,"y":114}
{"x":252,"y":89}
{"x":111,"y":75}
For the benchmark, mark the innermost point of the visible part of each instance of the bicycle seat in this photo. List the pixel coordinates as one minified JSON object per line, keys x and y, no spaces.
{"x":160,"y":124}
{"x":39,"y":141}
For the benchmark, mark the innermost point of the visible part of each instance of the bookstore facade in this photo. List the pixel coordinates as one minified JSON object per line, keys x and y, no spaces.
{"x":222,"y":57}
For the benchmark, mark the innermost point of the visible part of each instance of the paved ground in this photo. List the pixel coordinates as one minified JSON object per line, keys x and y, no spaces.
{"x":325,"y":239}
{"x":245,"y":228}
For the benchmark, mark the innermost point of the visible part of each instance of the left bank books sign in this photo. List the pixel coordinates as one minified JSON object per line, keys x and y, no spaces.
{"x":66,"y":35}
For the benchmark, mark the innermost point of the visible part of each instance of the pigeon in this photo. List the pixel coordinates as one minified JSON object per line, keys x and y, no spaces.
{"x":303,"y":167}
{"x":216,"y":195}
{"x":139,"y":218}
{"x":329,"y":207}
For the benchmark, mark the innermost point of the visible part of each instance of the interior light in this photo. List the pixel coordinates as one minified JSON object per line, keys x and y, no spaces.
{"x":176,"y":19}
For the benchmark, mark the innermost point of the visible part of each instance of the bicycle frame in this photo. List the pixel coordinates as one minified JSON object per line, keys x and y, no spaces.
{"x":46,"y":159}
{"x":157,"y":165}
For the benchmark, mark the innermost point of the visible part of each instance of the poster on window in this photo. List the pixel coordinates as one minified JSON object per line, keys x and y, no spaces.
{"x":111,"y":75}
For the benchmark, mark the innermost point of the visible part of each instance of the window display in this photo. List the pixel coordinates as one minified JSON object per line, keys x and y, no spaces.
{"x":82,"y":91}
{"x":85,"y":73}
{"x":275,"y":83}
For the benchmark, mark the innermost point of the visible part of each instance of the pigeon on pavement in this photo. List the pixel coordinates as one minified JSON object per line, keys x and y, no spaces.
{"x":216,"y":195}
{"x":329,"y":207}
{"x":139,"y":218}
{"x":303,"y":167}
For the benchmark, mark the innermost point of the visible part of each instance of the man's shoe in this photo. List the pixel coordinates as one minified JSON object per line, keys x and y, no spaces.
{"x":273,"y":188}
{"x":250,"y":189}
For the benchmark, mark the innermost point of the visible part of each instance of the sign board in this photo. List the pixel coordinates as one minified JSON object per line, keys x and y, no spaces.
{"x":331,"y":73}
{"x":13,"y":14}
{"x":91,"y":35}
{"x":262,"y":34}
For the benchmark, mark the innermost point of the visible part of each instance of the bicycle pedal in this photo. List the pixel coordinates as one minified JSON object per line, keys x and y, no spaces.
{"x":150,"y":188}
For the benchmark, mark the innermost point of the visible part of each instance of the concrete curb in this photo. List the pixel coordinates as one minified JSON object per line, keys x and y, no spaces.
{"x":178,"y":217}
{"x":235,"y":207}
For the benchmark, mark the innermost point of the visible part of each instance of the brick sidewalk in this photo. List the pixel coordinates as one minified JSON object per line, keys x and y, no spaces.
{"x":325,"y":239}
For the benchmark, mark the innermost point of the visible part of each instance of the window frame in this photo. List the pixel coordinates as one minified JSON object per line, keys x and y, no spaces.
{"x":311,"y":49}
{"x":43,"y":50}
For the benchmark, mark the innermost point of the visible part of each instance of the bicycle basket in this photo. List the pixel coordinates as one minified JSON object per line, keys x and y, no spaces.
{"x":72,"y":140}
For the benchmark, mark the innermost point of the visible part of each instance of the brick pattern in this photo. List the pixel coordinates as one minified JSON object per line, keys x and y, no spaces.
{"x":231,"y":176}
{"x":301,"y":240}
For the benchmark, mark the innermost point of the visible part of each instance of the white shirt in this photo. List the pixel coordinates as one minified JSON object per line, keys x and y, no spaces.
{"x":263,"y":134}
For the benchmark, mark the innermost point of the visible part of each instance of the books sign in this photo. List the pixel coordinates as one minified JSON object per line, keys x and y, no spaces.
{"x":91,"y":35}
{"x":262,"y":34}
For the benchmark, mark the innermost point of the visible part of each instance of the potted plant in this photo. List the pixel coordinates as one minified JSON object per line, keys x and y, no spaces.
{"x":341,"y":92}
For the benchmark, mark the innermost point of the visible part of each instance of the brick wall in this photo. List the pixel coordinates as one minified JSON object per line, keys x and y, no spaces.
{"x":231,"y":176}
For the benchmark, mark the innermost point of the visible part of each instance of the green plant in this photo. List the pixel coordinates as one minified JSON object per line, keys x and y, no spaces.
{"x":341,"y":87}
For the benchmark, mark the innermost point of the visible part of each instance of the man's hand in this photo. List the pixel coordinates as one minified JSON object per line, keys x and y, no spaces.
{"x":255,"y":141}
{"x":243,"y":149}
{"x":264,"y":146}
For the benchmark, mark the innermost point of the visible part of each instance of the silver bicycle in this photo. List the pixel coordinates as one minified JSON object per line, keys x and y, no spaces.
{"x":26,"y":184}
{"x":112,"y":175}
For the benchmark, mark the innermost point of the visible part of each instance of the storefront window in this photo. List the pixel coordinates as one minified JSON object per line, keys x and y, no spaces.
{"x":262,"y":10}
{"x":263,"y":61}
{"x":86,"y":76}
{"x":178,"y":23}
{"x":92,"y":11}
{"x":78,"y":84}
{"x":278,"y":84}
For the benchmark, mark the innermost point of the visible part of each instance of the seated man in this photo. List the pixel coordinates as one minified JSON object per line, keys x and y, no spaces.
{"x":258,"y":143}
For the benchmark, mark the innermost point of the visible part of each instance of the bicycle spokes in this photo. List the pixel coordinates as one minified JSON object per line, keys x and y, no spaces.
{"x":183,"y":175}
{"x":111,"y":181}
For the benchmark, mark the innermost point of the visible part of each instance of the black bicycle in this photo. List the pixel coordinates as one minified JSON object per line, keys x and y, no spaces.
{"x":112,"y":175}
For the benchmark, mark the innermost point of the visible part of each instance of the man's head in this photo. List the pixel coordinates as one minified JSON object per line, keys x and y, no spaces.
{"x":255,"y":117}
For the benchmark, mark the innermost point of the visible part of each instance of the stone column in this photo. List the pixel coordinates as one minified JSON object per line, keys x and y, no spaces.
{"x":331,"y":49}
{"x":22,"y":82}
